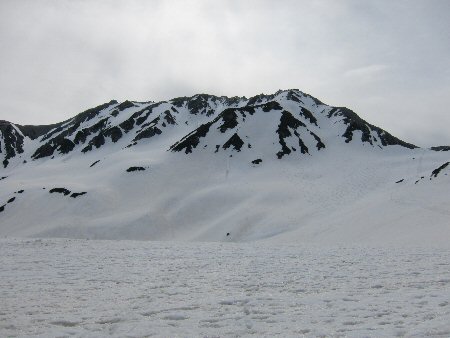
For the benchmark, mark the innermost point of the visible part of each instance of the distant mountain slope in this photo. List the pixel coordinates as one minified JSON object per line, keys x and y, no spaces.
{"x":293,"y":119}
{"x":283,"y":166}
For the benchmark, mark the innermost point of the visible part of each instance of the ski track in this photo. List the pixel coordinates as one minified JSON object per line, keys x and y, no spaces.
{"x":64,"y":287}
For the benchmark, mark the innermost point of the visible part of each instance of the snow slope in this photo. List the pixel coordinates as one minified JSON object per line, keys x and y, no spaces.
{"x":281,"y":168}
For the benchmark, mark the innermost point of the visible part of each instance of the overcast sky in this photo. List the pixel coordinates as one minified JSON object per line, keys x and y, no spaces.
{"x":388,"y":60}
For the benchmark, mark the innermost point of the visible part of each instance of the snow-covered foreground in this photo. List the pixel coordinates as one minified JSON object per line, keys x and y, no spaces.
{"x":63,"y":287}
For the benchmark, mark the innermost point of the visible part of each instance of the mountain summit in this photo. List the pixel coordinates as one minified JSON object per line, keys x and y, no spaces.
{"x":297,"y":122}
{"x":205,"y":167}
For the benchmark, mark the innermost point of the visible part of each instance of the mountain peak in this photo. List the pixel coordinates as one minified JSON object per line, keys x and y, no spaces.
{"x":201,"y":167}
{"x":281,"y":124}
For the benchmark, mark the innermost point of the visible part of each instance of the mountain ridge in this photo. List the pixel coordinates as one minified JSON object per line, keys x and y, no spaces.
{"x":78,"y":133}
{"x":283,"y":167}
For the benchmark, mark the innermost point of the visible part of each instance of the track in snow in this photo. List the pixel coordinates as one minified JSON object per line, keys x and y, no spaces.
{"x":59,"y":287}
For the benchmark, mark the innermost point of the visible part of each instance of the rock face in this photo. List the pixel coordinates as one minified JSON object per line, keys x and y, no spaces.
{"x":441,"y":148}
{"x":437,"y":171}
{"x":63,"y":191}
{"x":11,"y":142}
{"x":368,"y":131}
{"x":132,"y":169}
{"x":293,"y":121}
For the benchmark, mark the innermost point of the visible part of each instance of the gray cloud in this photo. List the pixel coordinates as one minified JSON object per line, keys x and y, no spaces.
{"x":386,"y":60}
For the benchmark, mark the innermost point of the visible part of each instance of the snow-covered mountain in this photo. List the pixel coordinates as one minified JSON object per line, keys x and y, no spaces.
{"x":281,"y":167}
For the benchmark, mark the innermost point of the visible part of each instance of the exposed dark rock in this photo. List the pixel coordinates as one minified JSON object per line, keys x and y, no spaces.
{"x":229,"y":118}
{"x":257,"y":161}
{"x":34,"y":132}
{"x":255,"y":100}
{"x":76,"y":194}
{"x":115,"y":133}
{"x":66,"y":146}
{"x":149,"y":130}
{"x":354,"y":123}
{"x":191,"y":140}
{"x":4,"y":177}
{"x":94,"y":163}
{"x":97,"y":142}
{"x":2,"y":208}
{"x":179,"y":101}
{"x":441,"y":148}
{"x":131,"y":169}
{"x":320,"y":144}
{"x":400,"y":181}
{"x":198,"y":104}
{"x":13,"y":141}
{"x":303,"y":147}
{"x":74,"y":123}
{"x":100,"y":125}
{"x":81,"y":136}
{"x":141,"y":119}
{"x":308,"y":115}
{"x":272,"y":105}
{"x":93,"y":112}
{"x":138,"y":117}
{"x":91,"y":129}
{"x":45,"y":150}
{"x":20,"y":191}
{"x":258,"y":99}
{"x":125,"y":105}
{"x":287,"y":121}
{"x":292,"y":96}
{"x":147,"y":133}
{"x":316,"y":101}
{"x":12,"y":199}
{"x":127,"y":125}
{"x":233,"y":101}
{"x":436,"y":172}
{"x":60,"y":191}
{"x":234,"y":141}
{"x":169,"y":117}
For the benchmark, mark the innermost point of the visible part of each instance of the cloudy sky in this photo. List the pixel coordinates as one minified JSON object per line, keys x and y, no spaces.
{"x":389,"y":60}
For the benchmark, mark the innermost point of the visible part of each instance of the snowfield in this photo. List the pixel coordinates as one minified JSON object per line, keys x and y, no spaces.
{"x":90,"y":288}
{"x":208,"y":216}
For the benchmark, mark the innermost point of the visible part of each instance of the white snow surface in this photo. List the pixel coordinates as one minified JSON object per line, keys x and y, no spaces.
{"x":338,"y":195}
{"x":89,"y":288}
{"x":341,"y":194}
{"x":351,"y":240}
